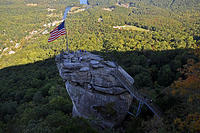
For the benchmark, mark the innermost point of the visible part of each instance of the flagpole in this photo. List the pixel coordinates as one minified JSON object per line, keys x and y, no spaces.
{"x":67,"y":43}
{"x":66,"y":38}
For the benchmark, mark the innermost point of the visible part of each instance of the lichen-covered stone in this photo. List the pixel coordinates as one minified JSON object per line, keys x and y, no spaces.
{"x":84,"y":69}
{"x":94,"y":62}
{"x":110,"y":64}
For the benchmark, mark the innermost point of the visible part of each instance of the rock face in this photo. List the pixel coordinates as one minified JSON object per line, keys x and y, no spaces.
{"x":95,"y":93}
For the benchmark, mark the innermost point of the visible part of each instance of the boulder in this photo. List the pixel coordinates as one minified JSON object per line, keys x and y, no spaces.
{"x":95,"y":93}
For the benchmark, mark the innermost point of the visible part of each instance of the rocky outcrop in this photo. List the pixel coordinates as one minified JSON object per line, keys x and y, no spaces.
{"x":95,"y":93}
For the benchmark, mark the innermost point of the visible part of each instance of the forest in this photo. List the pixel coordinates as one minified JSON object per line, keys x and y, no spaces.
{"x":161,"y":53}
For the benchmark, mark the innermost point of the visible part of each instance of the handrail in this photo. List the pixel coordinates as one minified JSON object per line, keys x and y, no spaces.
{"x":135,"y":94}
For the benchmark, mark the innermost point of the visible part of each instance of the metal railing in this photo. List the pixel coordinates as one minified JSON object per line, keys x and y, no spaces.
{"x":133,"y":92}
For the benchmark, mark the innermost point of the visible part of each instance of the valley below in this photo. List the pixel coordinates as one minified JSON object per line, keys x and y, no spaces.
{"x":156,"y":42}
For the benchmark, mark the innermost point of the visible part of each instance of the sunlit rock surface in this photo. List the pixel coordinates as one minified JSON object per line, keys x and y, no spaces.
{"x":95,"y":93}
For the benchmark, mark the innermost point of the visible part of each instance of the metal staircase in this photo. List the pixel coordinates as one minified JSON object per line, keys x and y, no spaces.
{"x":142,"y":100}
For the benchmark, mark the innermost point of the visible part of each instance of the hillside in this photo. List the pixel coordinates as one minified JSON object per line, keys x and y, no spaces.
{"x":171,"y":4}
{"x":159,"y":49}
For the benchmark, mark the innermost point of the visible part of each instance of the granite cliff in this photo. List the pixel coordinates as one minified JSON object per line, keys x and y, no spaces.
{"x":95,"y":93}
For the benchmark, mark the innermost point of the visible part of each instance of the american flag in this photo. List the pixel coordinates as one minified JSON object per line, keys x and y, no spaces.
{"x":57,"y":32}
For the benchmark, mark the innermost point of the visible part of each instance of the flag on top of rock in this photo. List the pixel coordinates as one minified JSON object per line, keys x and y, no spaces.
{"x":59,"y":30}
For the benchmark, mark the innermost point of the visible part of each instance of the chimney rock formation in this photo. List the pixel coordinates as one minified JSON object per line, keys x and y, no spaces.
{"x":95,"y":93}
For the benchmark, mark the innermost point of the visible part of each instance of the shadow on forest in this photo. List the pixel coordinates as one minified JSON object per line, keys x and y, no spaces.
{"x":152,"y":70}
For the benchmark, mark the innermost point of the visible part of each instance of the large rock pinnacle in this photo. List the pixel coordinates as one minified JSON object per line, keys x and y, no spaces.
{"x":95,"y":93}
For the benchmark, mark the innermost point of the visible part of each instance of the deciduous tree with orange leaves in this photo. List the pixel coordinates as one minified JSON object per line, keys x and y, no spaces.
{"x":188,"y":89}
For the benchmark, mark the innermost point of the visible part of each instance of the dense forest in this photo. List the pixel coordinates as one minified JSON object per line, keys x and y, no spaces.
{"x":160,"y":49}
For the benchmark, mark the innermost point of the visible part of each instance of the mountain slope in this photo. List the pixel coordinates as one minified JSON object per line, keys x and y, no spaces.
{"x":159,"y":51}
{"x":172,"y":4}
